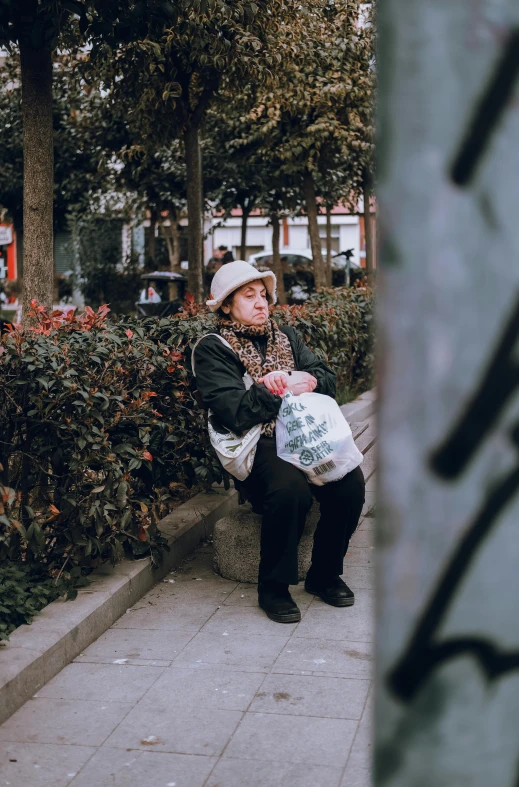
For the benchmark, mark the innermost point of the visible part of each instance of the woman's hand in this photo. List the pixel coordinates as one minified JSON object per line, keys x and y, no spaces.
{"x":306,"y":383}
{"x":275,"y":382}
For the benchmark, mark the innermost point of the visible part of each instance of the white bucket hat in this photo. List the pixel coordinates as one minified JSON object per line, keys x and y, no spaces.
{"x":232,"y":276}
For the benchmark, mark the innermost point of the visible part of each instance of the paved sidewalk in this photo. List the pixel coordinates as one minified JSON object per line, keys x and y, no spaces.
{"x":196,"y":687}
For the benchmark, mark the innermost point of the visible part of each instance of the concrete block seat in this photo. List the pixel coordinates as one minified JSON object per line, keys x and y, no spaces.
{"x":237,"y":536}
{"x":237,"y":544}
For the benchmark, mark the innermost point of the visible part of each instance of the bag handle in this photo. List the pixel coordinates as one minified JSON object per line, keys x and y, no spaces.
{"x":224,"y":341}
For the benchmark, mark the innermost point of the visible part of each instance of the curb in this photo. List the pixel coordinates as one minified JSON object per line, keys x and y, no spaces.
{"x":34,"y":654}
{"x":361,"y":408}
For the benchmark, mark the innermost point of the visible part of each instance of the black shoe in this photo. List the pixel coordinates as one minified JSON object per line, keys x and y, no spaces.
{"x":276,"y":601}
{"x":332,"y":591}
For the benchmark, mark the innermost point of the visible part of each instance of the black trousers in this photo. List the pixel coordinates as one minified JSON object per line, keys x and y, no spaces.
{"x":285,"y":497}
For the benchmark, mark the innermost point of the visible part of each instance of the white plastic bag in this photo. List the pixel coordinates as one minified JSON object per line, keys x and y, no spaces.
{"x":313,"y":435}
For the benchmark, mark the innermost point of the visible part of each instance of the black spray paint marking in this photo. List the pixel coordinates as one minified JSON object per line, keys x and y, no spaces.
{"x":500,"y":381}
{"x":487,"y":115}
{"x":424,"y":654}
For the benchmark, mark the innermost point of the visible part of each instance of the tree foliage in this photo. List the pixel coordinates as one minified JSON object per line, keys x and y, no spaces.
{"x":275,"y":96}
{"x":80,"y":171}
{"x":315,"y":126}
{"x":176,"y":71}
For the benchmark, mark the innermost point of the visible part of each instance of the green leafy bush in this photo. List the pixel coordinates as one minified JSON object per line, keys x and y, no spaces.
{"x":24,"y":591}
{"x":96,"y":427}
{"x":337,"y":323}
{"x":99,"y":427}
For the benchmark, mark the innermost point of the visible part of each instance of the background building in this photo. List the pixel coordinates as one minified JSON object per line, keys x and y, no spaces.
{"x":347,"y":233}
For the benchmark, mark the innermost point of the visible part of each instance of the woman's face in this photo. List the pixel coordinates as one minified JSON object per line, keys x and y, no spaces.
{"x":249,"y":305}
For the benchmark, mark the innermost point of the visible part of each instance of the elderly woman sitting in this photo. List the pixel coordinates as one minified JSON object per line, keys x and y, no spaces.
{"x":241,"y":296}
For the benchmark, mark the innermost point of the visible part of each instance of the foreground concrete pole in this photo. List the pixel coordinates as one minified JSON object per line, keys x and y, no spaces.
{"x":448,"y":507}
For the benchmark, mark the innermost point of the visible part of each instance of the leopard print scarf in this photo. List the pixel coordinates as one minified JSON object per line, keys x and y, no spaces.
{"x":279,"y":356}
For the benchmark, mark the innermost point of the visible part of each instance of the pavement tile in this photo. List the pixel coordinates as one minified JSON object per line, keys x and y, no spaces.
{"x":359,"y":556}
{"x":347,"y":658}
{"x":251,"y":773}
{"x":253,"y":652}
{"x":176,"y":614}
{"x":361,"y":753}
{"x":173,"y":594}
{"x":306,"y":695}
{"x":164,"y":692}
{"x":129,"y":662}
{"x":297,"y":739}
{"x":359,"y":576}
{"x":236,"y":621}
{"x":41,"y":765}
{"x":165,"y":727}
{"x":369,"y":465}
{"x":221,"y":667}
{"x":371,"y":485}
{"x":369,"y":502}
{"x":75,"y":722}
{"x":149,"y":644}
{"x":199,"y":575}
{"x":350,"y":623}
{"x":216,"y":688}
{"x":197,"y":566}
{"x":246,"y":595}
{"x":200,"y":568}
{"x":357,"y":777}
{"x":111,"y":682}
{"x":121,"y":768}
{"x":363,"y":537}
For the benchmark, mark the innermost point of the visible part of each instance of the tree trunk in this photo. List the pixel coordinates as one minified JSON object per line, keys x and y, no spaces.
{"x":243,"y":241}
{"x":175,"y":258}
{"x":164,"y":231}
{"x":313,"y":229}
{"x":172,"y":236}
{"x":276,"y":258}
{"x":175,"y":234}
{"x":152,"y":241}
{"x":38,"y":182}
{"x":368,"y":232}
{"x":329,"y":245}
{"x":194,"y":212}
{"x":77,"y":295}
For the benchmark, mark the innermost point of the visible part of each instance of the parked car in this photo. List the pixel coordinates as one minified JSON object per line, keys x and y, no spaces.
{"x":298,"y":274}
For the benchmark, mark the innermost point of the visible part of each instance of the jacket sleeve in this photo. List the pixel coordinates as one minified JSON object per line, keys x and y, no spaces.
{"x":219,"y":374}
{"x":307,"y":361}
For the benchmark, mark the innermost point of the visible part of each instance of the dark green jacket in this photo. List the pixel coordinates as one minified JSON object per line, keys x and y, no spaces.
{"x":219,"y":379}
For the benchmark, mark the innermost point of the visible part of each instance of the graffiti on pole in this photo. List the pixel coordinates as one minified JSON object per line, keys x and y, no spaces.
{"x":489,"y":110}
{"x":425,"y":653}
{"x":500,"y":382}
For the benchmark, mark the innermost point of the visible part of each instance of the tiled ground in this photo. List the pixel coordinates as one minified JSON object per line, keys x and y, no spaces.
{"x":196,"y":687}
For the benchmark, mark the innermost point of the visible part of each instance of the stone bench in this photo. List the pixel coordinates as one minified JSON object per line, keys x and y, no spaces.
{"x":237,"y":536}
{"x":237,"y":544}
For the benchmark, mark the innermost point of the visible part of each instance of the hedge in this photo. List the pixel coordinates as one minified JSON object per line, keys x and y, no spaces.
{"x":337,"y":323}
{"x":99,"y":428}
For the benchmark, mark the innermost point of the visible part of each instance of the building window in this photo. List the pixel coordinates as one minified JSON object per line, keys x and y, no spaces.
{"x":335,"y":238}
